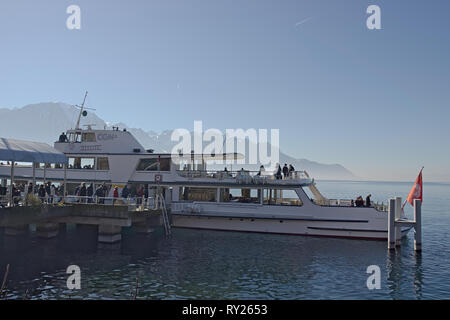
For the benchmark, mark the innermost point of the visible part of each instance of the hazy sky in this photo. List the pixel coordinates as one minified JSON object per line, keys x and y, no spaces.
{"x":375,"y":101}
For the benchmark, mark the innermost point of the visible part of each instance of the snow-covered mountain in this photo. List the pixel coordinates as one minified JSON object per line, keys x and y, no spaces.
{"x":45,"y":121}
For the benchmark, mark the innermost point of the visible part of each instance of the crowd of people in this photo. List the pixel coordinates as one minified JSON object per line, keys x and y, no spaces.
{"x":85,"y":193}
{"x":284,"y":173}
{"x":359,"y":202}
{"x":47,"y":192}
{"x":279,"y":173}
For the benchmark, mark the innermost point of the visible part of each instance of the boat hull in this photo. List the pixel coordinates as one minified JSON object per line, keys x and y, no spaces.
{"x":279,"y":226}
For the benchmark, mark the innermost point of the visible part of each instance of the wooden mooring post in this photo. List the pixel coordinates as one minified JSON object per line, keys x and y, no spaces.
{"x":395,"y":222}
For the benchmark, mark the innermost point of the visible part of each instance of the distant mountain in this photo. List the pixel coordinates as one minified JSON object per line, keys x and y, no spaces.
{"x":42,"y":122}
{"x":45,"y":122}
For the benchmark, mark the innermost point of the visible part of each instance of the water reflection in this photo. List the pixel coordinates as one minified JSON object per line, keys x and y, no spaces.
{"x":418,"y":275}
{"x":196,"y":264}
{"x":404,"y":272}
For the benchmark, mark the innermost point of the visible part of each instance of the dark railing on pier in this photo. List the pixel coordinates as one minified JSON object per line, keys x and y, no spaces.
{"x":133,"y":203}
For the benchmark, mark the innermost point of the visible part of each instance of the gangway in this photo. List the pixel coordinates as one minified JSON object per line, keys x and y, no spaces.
{"x":162,"y":202}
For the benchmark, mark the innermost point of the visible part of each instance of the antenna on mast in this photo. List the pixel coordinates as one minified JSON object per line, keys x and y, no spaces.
{"x":82,"y":112}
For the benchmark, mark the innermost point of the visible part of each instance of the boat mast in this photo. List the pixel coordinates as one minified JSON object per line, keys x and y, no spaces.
{"x":77,"y":126}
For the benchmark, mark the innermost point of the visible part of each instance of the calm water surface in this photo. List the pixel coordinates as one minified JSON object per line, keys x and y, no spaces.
{"x":195,"y":264}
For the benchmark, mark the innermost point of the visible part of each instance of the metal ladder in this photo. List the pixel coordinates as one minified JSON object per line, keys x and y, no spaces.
{"x":165,"y":215}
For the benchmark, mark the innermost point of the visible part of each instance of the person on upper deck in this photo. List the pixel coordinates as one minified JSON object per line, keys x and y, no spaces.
{"x":285,"y":171}
{"x":226,"y":173}
{"x":291,"y":169}
{"x":278,"y":174}
{"x":359,"y":202}
{"x":63,"y":137}
{"x":261,"y":170}
{"x":368,"y":202}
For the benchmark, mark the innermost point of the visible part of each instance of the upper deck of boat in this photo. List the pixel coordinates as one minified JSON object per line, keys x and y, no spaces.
{"x":116,"y":156}
{"x":244,"y":178}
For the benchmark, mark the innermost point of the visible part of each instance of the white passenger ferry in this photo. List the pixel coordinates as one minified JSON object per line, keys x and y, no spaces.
{"x":204,"y":199}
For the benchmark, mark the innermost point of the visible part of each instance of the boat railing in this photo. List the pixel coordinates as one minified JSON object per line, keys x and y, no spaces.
{"x":348,"y":203}
{"x":243,"y":176}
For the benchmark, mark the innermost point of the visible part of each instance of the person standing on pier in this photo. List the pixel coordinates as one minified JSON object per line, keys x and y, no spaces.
{"x":90,"y":192}
{"x":140,"y":194}
{"x":115,"y":194}
{"x":99,"y":194}
{"x":30,"y":188}
{"x":47,"y":191}
{"x":125,"y":192}
{"x":105,"y":189}
{"x":41,"y":192}
{"x":83,"y":193}
{"x":52,"y":193}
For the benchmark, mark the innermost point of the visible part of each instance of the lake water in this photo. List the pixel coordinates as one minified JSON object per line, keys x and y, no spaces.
{"x":195,"y":264}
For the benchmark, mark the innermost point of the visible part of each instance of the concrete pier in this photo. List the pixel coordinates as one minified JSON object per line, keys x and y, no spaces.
{"x":16,"y":230}
{"x":109,"y":233}
{"x":62,"y":228}
{"x":47,"y":230}
{"x":143,"y":227}
{"x":106,"y":220}
{"x":146,"y":224}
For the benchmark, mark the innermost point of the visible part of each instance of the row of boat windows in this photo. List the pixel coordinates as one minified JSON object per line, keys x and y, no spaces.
{"x":88,"y":163}
{"x":150,"y":164}
{"x":102,"y":163}
{"x":241,"y":195}
{"x":84,"y":137}
{"x":154,"y":164}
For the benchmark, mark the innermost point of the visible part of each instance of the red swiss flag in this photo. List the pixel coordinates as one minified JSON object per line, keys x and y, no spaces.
{"x":416,"y":191}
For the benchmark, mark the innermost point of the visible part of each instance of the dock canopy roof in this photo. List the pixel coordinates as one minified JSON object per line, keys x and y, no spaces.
{"x":28,"y":151}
